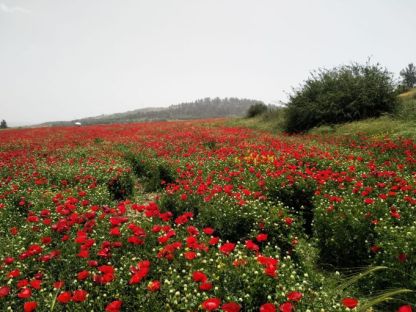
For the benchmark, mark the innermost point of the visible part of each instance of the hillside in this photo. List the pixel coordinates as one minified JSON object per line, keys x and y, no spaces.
{"x":203,"y":108}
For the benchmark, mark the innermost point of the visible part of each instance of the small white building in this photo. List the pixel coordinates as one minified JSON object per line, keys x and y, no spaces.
{"x":78,"y":124}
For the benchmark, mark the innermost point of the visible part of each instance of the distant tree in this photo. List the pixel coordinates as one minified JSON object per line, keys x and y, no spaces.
{"x":409,"y":76}
{"x":3,"y":124}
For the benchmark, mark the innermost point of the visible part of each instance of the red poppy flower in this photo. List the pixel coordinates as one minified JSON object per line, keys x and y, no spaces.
{"x":208,"y":230}
{"x":46,"y":240}
{"x":211,"y":304}
{"x":117,"y":244}
{"x":36,"y":284}
{"x":205,"y":286}
{"x":375,"y":248}
{"x":227,"y":248}
{"x":83,"y":275}
{"x":250,"y":245}
{"x":163,"y":239}
{"x":270,"y":270}
{"x":199,"y":276}
{"x":24,"y":293}
{"x":22,"y":283}
{"x":30,"y":306}
{"x":261,"y":237}
{"x":349,"y":302}
{"x":268,"y":307}
{"x":14,"y":273}
{"x":286,"y":307}
{"x":394,"y":213}
{"x":114,"y":306}
{"x":135,"y":240}
{"x":79,"y":295}
{"x":153,"y":286}
{"x":294,"y":296}
{"x":4,"y":291}
{"x":288,"y":221}
{"x":192,"y":230}
{"x":231,"y":307}
{"x":189,"y":255}
{"x":58,"y":284}
{"x":137,"y":278}
{"x":369,"y":201}
{"x":156,"y":228}
{"x":92,"y":263}
{"x":64,"y":297}
{"x":83,"y":254}
{"x":115,"y":231}
{"x":402,"y":257}
{"x":192,"y":241}
{"x":405,"y":308}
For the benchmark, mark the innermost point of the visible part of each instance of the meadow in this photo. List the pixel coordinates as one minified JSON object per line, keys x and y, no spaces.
{"x":205,"y":216}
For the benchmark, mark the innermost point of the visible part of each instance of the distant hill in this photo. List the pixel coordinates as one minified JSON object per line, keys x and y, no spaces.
{"x":199,"y":109}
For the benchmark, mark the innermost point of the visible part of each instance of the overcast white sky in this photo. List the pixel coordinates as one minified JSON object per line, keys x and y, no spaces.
{"x":66,"y":59}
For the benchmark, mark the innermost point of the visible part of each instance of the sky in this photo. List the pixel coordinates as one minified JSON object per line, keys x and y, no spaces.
{"x":62,"y":60}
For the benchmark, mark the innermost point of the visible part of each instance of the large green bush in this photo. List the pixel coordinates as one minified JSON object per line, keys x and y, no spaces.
{"x":342,"y":94}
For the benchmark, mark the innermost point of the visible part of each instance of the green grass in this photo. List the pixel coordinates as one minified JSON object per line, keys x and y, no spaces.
{"x":377,"y":127}
{"x":411,"y":94}
{"x":271,"y":121}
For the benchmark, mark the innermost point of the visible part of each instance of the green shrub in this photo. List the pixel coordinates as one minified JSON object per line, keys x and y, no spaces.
{"x":153,"y":172}
{"x":397,"y":245}
{"x":159,"y":175}
{"x":343,"y":237}
{"x":120,"y":186}
{"x":342,"y":94}
{"x":296,"y":196}
{"x":272,"y":220}
{"x":256,"y":109}
{"x":230,"y":221}
{"x":406,"y":109}
{"x":139,"y":164}
{"x":173,"y":203}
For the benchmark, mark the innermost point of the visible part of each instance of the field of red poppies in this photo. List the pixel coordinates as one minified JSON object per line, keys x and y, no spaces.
{"x":199,"y":216}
